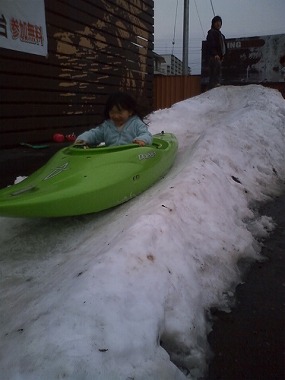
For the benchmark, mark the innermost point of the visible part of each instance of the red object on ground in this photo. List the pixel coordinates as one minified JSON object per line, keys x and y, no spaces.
{"x":58,"y":137}
{"x":71,"y":137}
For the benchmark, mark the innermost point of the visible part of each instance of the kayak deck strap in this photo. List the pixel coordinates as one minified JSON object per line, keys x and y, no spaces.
{"x":25,"y":190}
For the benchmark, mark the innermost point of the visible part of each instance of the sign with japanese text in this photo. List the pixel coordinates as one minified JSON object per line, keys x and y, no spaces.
{"x":23,"y":26}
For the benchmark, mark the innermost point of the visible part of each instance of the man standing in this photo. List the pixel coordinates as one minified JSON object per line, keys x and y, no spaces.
{"x":216,"y":45}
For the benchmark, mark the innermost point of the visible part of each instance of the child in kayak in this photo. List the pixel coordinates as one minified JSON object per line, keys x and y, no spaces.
{"x":122,"y":125}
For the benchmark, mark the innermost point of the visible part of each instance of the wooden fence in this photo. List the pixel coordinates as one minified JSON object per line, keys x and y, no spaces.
{"x":168,"y":90}
{"x":94,"y":49}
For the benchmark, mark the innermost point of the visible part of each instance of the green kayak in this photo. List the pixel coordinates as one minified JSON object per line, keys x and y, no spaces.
{"x":79,"y":181}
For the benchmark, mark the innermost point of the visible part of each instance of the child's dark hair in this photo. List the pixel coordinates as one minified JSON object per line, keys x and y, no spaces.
{"x":122,"y":101}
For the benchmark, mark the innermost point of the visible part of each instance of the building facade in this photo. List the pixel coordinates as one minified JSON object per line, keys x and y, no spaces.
{"x":171,"y":65}
{"x":93,"y":48}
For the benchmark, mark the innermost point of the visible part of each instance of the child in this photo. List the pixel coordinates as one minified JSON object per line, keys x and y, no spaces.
{"x":122,"y":125}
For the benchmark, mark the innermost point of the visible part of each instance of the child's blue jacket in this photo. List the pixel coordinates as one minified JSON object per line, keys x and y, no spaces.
{"x":107,"y":132}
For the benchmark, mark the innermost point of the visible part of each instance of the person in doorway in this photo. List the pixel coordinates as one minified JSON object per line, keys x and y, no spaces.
{"x":282,"y":63}
{"x":216,"y":46}
{"x":123,"y":124}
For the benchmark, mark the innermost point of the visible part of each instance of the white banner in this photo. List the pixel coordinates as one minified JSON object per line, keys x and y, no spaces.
{"x":23,"y":26}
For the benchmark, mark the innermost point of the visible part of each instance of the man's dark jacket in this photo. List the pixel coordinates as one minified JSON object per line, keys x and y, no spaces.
{"x":216,"y":43}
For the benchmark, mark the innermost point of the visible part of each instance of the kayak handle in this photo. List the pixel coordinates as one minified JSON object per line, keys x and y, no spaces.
{"x":25,"y":190}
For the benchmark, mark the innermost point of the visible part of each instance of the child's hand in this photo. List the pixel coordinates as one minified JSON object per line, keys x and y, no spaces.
{"x":139,"y":142}
{"x":80,"y":142}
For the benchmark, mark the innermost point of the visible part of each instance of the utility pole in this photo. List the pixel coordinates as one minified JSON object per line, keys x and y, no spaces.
{"x":185,"y":37}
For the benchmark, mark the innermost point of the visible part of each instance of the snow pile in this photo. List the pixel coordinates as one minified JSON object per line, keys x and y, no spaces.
{"x":125,"y":294}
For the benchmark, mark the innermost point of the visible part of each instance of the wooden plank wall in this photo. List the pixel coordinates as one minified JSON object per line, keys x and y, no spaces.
{"x":94,"y":48}
{"x":168,"y":90}
{"x":172,"y":89}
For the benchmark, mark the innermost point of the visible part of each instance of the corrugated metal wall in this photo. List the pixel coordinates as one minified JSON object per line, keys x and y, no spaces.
{"x":94,"y":49}
{"x":172,"y":89}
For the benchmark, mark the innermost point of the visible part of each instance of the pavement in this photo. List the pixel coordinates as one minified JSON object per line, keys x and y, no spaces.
{"x":249,"y":342}
{"x":24,"y":160}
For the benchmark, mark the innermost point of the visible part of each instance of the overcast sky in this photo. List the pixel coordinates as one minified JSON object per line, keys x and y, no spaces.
{"x":242,"y":18}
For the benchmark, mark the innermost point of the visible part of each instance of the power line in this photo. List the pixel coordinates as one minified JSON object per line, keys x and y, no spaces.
{"x":212,"y":7}
{"x":199,"y":18}
{"x":174,"y":31}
